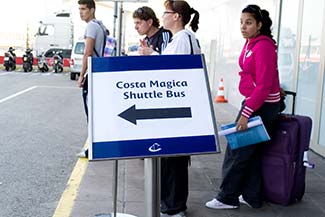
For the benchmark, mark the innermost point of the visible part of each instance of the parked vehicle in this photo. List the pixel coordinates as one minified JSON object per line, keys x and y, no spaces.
{"x":28,"y":60}
{"x":42,"y":63}
{"x":65,"y":53}
{"x":58,"y":61}
{"x":76,"y":59}
{"x":10,"y":59}
{"x":55,"y":31}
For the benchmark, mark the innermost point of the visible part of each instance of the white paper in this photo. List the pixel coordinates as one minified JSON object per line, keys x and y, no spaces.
{"x":233,"y":129}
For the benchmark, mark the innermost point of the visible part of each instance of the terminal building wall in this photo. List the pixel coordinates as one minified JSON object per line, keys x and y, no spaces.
{"x":301,"y":53}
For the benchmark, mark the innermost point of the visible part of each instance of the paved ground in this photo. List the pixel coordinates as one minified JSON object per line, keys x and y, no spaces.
{"x":42,"y":126}
{"x":94,"y":197}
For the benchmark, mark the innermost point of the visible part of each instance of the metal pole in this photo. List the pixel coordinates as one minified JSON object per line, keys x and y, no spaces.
{"x":279,"y":22}
{"x":115,"y":180}
{"x":119,"y":39}
{"x":152,"y":190}
{"x":118,"y":54}
{"x":119,"y":45}
{"x":115,"y":175}
{"x":115,"y":18}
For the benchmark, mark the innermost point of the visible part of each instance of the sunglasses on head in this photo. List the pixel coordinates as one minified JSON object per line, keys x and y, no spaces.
{"x":254,"y":9}
{"x":140,"y":11}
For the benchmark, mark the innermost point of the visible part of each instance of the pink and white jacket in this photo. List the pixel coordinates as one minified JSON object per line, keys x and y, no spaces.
{"x":259,"y":78}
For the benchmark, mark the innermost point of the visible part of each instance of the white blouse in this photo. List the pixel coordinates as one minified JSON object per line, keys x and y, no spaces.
{"x":180,"y":44}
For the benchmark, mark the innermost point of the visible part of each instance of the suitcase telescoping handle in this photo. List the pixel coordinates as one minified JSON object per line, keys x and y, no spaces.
{"x":305,"y":157}
{"x":293,"y":94}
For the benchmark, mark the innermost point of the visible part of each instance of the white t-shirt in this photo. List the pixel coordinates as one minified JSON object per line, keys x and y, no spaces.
{"x":180,"y":44}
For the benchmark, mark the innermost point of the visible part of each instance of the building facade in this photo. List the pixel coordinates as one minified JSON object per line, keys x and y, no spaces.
{"x":299,"y":29}
{"x":298,"y":26}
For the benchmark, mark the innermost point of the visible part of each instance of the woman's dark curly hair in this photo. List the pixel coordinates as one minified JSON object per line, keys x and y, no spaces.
{"x":262,"y":16}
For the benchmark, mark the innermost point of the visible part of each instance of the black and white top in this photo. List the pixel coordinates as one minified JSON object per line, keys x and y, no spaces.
{"x":159,"y":40}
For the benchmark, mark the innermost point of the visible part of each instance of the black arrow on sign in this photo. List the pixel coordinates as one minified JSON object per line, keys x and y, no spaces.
{"x":132,"y":114}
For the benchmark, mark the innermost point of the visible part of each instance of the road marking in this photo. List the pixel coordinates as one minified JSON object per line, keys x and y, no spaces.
{"x":17,"y":94}
{"x":32,"y":88}
{"x":60,"y":87}
{"x":69,"y":195}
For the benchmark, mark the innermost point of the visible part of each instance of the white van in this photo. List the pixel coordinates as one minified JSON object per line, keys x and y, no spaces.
{"x":76,"y":59}
{"x":54,"y":31}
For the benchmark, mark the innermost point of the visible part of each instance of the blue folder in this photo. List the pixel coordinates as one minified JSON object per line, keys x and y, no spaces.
{"x":252,"y":135}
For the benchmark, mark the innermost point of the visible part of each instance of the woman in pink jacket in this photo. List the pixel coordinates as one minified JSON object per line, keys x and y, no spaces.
{"x":259,"y":84}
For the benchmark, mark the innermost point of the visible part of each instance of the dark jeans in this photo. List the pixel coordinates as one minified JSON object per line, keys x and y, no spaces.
{"x":241,"y":168}
{"x":85,"y":100}
{"x":85,"y":95}
{"x":174,"y":184}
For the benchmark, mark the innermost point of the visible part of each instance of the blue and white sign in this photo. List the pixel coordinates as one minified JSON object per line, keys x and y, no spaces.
{"x":145,"y":106}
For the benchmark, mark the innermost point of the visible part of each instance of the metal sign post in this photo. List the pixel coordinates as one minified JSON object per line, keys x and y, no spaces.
{"x":119,"y":52}
{"x":152,"y":186}
{"x":164,"y":93}
{"x":136,"y":116}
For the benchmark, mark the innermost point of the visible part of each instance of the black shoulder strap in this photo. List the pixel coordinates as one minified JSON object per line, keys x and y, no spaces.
{"x":96,"y":52}
{"x":104,"y":44}
{"x":192,"y":52}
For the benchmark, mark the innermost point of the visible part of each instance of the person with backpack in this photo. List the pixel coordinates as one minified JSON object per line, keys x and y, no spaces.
{"x":146,"y":23}
{"x":95,"y":36}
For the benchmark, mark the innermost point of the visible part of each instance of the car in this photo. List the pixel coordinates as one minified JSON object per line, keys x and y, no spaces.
{"x":66,"y":53}
{"x":76,"y":59}
{"x":133,"y":50}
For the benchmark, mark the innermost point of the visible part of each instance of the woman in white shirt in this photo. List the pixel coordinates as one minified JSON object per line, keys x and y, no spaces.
{"x":174,"y":170}
{"x":183,"y":40}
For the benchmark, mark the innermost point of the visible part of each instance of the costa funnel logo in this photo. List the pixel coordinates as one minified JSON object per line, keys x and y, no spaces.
{"x":154,"y":148}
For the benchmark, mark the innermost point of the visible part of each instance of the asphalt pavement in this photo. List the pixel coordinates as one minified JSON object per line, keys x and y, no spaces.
{"x":93,"y":197}
{"x":42,"y":126}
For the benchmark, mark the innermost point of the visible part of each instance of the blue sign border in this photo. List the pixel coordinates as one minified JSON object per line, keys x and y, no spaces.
{"x":141,"y":63}
{"x":199,"y":144}
{"x":166,"y":146}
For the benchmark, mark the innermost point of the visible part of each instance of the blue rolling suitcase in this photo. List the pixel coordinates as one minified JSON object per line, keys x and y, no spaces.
{"x":285,"y":159}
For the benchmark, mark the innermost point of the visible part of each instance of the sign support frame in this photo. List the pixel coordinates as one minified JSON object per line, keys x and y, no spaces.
{"x":152,"y":175}
{"x":152,"y":167}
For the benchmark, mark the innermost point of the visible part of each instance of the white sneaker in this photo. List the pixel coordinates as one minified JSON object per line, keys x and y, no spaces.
{"x":180,"y":214}
{"x":242,"y":201}
{"x":216,"y":204}
{"x":82,"y":154}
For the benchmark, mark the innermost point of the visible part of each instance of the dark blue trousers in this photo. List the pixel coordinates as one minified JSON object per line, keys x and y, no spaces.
{"x":241,"y":170}
{"x":174,"y":184}
{"x":85,"y":95}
